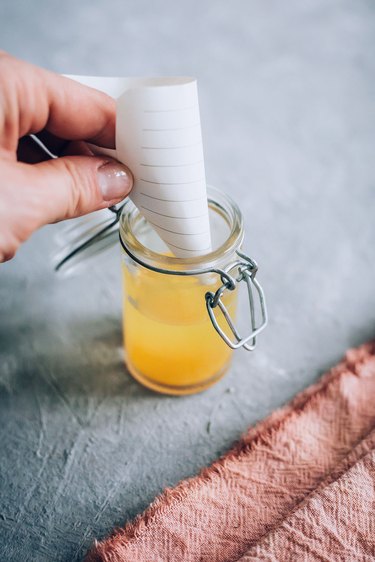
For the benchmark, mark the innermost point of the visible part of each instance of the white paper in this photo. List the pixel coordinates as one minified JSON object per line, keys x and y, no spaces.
{"x":158,"y":136}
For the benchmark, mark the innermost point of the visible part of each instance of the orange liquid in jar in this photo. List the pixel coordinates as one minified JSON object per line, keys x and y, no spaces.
{"x":170,"y":343}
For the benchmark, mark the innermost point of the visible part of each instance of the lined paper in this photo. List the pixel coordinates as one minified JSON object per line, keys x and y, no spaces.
{"x":158,"y":135}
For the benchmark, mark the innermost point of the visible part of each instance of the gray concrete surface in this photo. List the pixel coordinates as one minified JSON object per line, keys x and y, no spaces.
{"x":287,"y":95}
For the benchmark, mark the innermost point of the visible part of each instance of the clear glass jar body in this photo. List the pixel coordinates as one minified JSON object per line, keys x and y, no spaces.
{"x":170,"y":343}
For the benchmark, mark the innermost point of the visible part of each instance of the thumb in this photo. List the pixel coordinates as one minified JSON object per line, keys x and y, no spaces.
{"x":72,"y":186}
{"x":38,"y":194}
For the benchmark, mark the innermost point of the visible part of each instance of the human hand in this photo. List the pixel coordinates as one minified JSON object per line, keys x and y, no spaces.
{"x":35,"y":190}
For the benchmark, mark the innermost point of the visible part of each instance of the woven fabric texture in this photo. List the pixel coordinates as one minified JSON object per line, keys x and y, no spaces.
{"x":298,"y":486}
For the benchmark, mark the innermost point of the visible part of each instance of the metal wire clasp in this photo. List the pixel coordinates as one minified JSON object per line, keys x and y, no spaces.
{"x":246,"y":271}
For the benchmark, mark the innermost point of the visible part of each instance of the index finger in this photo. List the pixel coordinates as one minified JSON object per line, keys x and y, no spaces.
{"x":33,"y":99}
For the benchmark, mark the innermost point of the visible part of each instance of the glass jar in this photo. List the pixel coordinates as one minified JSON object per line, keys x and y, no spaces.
{"x":178,"y":317}
{"x":179,"y":314}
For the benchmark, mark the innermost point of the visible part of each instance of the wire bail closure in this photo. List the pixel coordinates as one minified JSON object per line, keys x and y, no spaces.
{"x":246,"y":271}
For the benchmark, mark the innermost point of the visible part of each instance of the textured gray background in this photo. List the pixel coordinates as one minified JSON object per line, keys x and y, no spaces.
{"x":287,"y":95}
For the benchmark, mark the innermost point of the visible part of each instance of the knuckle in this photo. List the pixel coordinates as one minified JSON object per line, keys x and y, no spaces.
{"x":82,"y":194}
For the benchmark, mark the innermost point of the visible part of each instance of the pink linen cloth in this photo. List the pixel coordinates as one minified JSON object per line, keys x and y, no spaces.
{"x":298,"y":486}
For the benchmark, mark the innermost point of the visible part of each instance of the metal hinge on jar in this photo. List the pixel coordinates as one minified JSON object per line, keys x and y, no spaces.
{"x":246,"y":271}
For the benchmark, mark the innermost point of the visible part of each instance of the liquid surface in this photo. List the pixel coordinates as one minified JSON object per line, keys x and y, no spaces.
{"x":169,"y":338}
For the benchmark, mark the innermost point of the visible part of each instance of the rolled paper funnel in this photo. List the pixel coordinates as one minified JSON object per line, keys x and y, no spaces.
{"x":158,"y":135}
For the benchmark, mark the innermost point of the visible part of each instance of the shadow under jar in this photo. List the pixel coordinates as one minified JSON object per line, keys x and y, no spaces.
{"x":178,"y":317}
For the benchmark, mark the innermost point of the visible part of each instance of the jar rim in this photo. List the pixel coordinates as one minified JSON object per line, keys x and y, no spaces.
{"x":218,"y":202}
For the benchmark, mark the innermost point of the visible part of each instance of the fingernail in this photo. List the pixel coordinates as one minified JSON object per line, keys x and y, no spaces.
{"x":115,"y":181}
